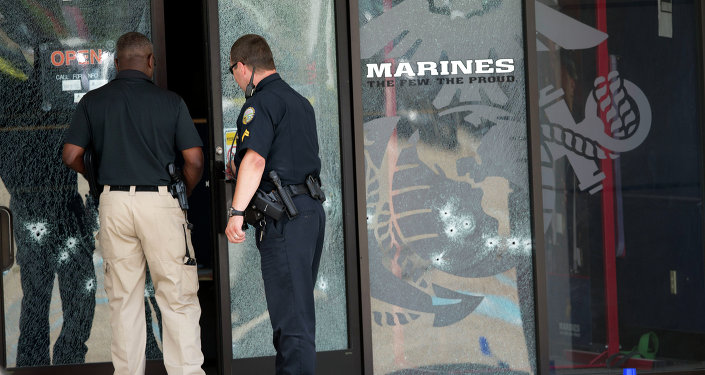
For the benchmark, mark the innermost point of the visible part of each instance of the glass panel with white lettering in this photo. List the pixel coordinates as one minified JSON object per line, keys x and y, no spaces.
{"x":448,"y":219}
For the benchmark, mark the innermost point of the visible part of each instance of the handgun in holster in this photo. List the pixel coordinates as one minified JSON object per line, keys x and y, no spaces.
{"x":177,"y":187}
{"x":272,"y":204}
{"x":264,"y":203}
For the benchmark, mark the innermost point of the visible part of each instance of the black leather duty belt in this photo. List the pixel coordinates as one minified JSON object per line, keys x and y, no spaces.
{"x":295,"y":190}
{"x":137,"y":188}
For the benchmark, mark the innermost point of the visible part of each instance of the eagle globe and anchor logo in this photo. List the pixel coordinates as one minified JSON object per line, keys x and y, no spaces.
{"x":426,"y":244}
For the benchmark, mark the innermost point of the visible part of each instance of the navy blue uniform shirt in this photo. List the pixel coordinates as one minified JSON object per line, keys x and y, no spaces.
{"x":137,"y":129}
{"x":279,"y":124}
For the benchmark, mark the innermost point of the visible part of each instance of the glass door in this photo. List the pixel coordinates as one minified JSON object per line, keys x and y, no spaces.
{"x":55,"y":310}
{"x":302,"y":36}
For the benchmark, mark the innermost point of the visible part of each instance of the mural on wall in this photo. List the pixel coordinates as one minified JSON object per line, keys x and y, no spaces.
{"x":447,"y":186}
{"x":614,"y":102}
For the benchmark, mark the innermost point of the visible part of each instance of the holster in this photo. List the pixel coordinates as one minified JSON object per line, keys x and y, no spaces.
{"x":264,"y":203}
{"x":272,"y":205}
{"x":314,"y":188}
{"x":177,"y":187}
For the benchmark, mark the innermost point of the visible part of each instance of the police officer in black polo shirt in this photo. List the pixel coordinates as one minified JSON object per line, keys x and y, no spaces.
{"x":137,"y":128}
{"x":276,"y":131}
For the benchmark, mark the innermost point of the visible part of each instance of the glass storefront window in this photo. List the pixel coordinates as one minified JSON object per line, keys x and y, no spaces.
{"x":302,"y":38}
{"x":446,"y":172}
{"x":51,"y":53}
{"x":622,"y":184}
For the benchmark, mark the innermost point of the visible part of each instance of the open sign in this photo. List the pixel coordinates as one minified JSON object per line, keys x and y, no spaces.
{"x":81,"y":57}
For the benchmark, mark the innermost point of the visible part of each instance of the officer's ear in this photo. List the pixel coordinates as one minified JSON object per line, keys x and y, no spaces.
{"x":151,"y":61}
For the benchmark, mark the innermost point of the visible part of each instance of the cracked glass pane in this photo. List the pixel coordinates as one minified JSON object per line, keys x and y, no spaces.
{"x":302,"y":38}
{"x":448,"y":213}
{"x":51,"y":53}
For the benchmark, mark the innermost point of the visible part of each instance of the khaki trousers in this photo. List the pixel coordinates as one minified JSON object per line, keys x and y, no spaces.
{"x":149,"y":226}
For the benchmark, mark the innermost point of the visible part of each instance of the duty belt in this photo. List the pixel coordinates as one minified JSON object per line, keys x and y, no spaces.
{"x":311,"y":187}
{"x":295,"y":190}
{"x":137,"y":188}
{"x":278,"y":202}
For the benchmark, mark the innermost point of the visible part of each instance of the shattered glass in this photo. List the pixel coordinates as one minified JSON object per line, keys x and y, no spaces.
{"x":446,"y":171}
{"x":302,"y":38}
{"x":51,"y":53}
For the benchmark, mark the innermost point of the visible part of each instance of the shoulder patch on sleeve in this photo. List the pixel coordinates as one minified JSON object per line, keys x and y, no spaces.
{"x":248,"y":115}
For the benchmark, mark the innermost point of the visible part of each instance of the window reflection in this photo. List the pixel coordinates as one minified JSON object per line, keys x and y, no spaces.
{"x":51,"y":53}
{"x":621,"y":166}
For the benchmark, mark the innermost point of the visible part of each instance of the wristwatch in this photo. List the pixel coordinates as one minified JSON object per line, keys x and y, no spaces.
{"x":233,"y":212}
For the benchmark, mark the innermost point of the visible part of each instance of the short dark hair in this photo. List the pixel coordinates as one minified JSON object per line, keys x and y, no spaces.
{"x":133,"y":44}
{"x":252,"y":50}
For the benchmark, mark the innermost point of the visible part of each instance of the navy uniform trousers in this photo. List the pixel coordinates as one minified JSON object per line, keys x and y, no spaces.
{"x":290,"y":253}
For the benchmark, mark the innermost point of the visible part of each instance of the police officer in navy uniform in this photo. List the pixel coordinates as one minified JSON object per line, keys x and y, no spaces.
{"x":276,"y":131}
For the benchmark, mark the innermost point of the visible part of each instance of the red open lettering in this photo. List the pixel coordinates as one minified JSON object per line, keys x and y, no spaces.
{"x":96,"y":57}
{"x":83,"y":57}
{"x":57,"y":58}
{"x":70,"y":56}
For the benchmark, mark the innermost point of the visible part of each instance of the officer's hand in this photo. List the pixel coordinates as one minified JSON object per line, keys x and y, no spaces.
{"x":234,"y":230}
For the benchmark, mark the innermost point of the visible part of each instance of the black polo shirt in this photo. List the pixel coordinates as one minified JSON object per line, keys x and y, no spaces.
{"x":137,"y":128}
{"x":280,"y":125}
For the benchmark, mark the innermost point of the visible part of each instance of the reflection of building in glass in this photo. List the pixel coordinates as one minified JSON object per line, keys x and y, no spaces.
{"x":50,"y":54}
